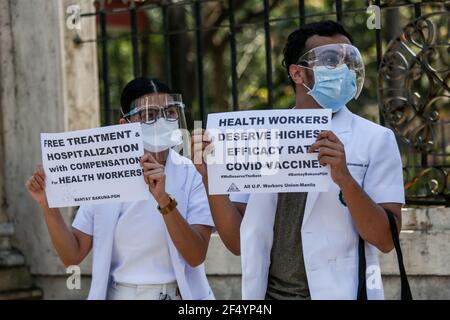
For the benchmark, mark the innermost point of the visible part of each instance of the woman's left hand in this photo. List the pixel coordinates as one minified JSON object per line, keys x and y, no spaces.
{"x":155,"y":177}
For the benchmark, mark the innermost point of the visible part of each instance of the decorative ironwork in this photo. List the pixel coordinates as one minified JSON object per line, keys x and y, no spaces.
{"x":414,"y":93}
{"x":413,"y":78}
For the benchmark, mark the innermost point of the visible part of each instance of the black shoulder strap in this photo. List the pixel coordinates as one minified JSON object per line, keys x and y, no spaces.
{"x":405,"y":289}
{"x":362,"y":290}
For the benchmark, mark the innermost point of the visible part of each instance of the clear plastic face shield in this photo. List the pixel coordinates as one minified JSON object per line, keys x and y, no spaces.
{"x":336,"y":57}
{"x":163,"y":121}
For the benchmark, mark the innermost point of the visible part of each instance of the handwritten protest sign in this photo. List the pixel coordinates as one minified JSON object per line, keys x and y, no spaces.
{"x":94,"y":166}
{"x":266,"y":151}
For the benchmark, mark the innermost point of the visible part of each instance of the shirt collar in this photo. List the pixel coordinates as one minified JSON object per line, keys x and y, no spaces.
{"x":342,"y":120}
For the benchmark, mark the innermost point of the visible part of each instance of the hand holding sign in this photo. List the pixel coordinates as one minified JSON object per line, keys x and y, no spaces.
{"x":36,"y":186}
{"x":332,"y":152}
{"x":155,"y":177}
{"x":200,"y":146}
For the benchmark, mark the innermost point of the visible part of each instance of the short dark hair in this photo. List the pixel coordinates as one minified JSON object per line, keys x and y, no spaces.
{"x":296,"y":42}
{"x":138,"y":87}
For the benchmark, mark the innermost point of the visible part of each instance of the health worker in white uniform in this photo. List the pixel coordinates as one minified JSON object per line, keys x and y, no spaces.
{"x":152,"y":249}
{"x":305,"y":245}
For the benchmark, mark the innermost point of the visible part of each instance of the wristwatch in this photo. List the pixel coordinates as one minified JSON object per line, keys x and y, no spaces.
{"x":172,"y":205}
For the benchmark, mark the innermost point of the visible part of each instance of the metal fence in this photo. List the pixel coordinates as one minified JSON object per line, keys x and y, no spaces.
{"x":410,"y":68}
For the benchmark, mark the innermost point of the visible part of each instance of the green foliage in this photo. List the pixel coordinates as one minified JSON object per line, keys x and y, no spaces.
{"x":251,"y":54}
{"x":251,"y":58}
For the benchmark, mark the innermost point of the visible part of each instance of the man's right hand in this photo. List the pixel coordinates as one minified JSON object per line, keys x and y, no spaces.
{"x":200,"y":147}
{"x":36,"y":186}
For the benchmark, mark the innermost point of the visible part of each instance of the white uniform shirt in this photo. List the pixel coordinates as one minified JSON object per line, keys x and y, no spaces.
{"x":329,"y":237}
{"x":140,"y":250}
{"x":100,"y":221}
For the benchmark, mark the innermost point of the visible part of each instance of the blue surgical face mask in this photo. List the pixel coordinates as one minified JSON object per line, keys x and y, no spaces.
{"x":333,"y":88}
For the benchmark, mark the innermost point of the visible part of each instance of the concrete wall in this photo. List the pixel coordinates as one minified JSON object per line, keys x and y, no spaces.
{"x":223,"y":270}
{"x":5,"y":36}
{"x":38,"y":105}
{"x":425,"y":240}
{"x":81,"y":71}
{"x":49,"y":84}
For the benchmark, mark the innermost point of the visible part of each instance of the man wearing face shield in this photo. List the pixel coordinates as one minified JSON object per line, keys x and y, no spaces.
{"x":152,"y":249}
{"x":307,"y":245}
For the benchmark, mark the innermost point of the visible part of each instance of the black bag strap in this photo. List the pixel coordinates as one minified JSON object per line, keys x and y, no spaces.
{"x":362,"y":290}
{"x":405,"y":289}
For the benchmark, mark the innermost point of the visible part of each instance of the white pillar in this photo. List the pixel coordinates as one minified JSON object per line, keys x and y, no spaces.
{"x":47,"y":84}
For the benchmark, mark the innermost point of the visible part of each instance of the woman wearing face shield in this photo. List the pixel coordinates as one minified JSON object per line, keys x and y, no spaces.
{"x":152,"y":249}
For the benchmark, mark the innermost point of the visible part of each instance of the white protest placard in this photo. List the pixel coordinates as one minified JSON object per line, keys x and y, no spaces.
{"x":94,"y":166}
{"x":266,"y":151}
